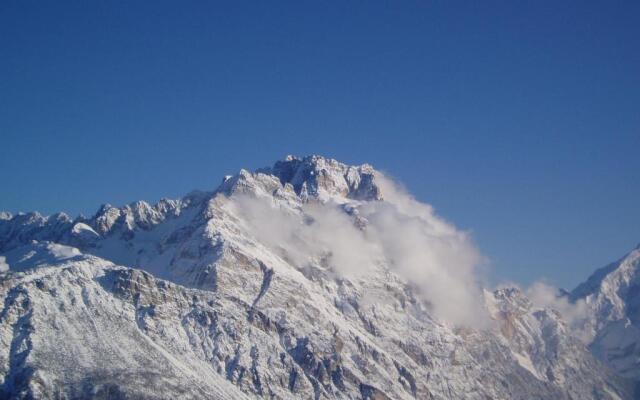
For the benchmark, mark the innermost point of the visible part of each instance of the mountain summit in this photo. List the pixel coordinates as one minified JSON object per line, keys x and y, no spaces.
{"x":307,"y":279}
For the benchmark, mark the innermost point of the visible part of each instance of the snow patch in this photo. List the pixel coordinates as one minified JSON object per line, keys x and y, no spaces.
{"x":525,"y":362}
{"x":37,"y":254}
{"x":614,"y":395}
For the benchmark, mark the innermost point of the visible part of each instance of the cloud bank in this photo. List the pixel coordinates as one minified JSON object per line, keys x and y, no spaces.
{"x":400,"y":233}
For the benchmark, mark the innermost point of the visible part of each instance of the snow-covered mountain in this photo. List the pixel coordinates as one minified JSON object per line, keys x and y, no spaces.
{"x":309,"y":279}
{"x":612,"y":324}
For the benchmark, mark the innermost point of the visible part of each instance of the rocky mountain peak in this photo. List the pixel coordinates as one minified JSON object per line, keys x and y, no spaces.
{"x":272,"y":295}
{"x":511,"y":300}
{"x":615,"y":278}
{"x":309,"y":177}
{"x":321,"y":176}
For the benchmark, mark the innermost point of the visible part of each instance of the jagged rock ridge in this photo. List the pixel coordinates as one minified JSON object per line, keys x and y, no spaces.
{"x":184,"y":299}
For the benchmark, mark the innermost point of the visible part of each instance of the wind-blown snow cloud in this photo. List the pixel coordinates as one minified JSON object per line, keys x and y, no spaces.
{"x":318,"y":232}
{"x":401,"y":233}
{"x":544,"y":295}
{"x":429,"y":252}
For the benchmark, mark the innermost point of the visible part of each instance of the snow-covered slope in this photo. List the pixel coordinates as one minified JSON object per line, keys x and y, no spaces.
{"x":309,"y":279}
{"x":612,"y":325}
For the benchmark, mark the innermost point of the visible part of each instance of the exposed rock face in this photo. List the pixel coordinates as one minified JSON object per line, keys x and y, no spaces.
{"x":186,"y":299}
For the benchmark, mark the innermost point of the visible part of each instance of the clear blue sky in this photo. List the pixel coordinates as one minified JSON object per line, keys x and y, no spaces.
{"x":519,"y":121}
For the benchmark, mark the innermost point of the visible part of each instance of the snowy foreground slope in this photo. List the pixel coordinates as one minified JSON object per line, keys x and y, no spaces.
{"x":309,"y":279}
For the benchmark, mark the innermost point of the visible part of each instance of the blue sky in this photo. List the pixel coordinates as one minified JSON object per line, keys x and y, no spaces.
{"x":519,"y":121}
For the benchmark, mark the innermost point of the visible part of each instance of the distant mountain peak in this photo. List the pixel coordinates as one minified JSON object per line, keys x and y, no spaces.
{"x":312,"y":176}
{"x":612,"y":325}
{"x":326,"y":176}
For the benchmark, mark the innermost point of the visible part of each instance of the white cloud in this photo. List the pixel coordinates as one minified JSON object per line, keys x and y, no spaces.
{"x":423,"y":249}
{"x":544,"y":295}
